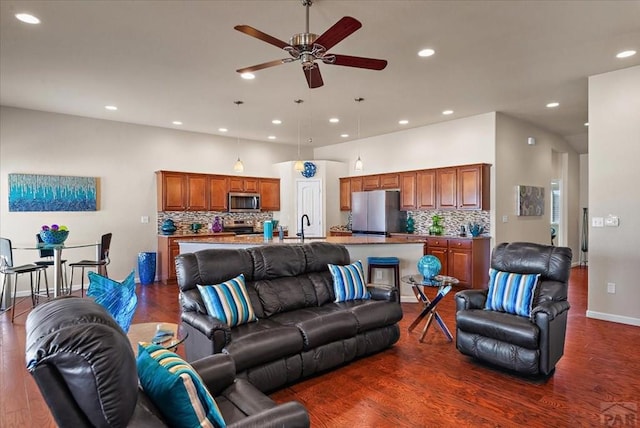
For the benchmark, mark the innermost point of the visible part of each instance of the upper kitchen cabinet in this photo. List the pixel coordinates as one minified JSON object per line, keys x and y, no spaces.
{"x":270,"y":194}
{"x":370,"y":182}
{"x":407,"y":181}
{"x":218,"y":189}
{"x":389,"y":181}
{"x":347,"y":187}
{"x":447,"y":191}
{"x":464,"y":187}
{"x":244,"y":184}
{"x":178,"y":191}
{"x":426,"y":189}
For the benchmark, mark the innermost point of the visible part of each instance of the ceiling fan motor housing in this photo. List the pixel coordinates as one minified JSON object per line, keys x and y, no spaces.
{"x":303,"y":41}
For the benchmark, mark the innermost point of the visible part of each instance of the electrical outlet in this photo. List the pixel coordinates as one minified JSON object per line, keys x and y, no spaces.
{"x":505,"y":218}
{"x":611,"y":287}
{"x":144,"y":219}
{"x":597,"y":222}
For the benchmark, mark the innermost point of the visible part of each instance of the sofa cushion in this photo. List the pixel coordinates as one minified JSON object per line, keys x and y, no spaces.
{"x":348,"y":282}
{"x":372,"y":314}
{"x":228,"y":301}
{"x":501,"y":326}
{"x":262,"y":341}
{"x":176,"y":389}
{"x":511,"y":292}
{"x":284,"y":294}
{"x":320,"y":325}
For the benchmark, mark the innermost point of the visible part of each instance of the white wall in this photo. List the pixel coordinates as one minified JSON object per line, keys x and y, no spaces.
{"x":124,"y":158}
{"x":614,"y":152}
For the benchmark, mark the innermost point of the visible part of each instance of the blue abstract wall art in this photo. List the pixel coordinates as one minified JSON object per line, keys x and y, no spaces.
{"x":34,"y":192}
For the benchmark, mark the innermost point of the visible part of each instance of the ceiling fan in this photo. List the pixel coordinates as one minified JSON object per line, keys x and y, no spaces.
{"x":309,"y":47}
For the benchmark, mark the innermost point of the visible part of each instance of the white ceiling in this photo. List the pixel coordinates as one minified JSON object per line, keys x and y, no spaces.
{"x":160,"y":61}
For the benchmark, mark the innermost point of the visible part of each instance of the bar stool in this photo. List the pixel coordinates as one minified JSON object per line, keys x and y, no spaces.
{"x":385,"y":263}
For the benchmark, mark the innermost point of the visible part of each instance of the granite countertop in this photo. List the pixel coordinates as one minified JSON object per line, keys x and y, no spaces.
{"x":203,"y":234}
{"x":344,"y":240}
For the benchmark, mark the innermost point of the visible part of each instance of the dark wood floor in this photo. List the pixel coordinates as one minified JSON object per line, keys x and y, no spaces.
{"x":413,"y":384}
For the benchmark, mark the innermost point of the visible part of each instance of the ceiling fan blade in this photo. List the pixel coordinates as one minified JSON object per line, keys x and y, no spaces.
{"x":360,"y":62}
{"x":250,"y":31}
{"x":314,"y":78}
{"x":338,"y":32}
{"x":261,"y":66}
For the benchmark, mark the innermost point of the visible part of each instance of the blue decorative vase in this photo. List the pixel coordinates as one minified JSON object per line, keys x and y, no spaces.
{"x":168,"y":227}
{"x":429,"y":266}
{"x":147,"y":267}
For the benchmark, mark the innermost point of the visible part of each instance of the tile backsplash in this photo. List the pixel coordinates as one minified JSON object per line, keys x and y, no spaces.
{"x":184,"y":219}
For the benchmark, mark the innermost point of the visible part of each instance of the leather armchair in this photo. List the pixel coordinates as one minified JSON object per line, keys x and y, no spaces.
{"x":530,"y":346}
{"x":83,"y":364}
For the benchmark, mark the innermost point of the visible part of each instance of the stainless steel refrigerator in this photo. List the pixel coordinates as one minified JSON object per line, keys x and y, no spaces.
{"x":377,"y":212}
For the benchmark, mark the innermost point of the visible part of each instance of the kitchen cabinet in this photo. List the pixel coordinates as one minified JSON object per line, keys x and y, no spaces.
{"x":270,"y":194}
{"x":389,"y":181}
{"x":179,"y":191}
{"x":466,"y":259}
{"x":426,"y":189}
{"x":218,"y":189}
{"x":446,"y":188}
{"x":473,"y":187}
{"x":348,"y":185}
{"x":197,"y":192}
{"x":370,"y":182}
{"x":408,"y":187}
{"x":243,"y":184}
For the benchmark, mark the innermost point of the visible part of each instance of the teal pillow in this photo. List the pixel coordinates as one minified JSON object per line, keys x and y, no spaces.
{"x":348,"y":282}
{"x":228,"y":301}
{"x":511,"y":292}
{"x":118,"y":298}
{"x":176,"y":389}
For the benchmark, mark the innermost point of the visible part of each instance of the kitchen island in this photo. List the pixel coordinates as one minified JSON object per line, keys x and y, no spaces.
{"x":360,"y":247}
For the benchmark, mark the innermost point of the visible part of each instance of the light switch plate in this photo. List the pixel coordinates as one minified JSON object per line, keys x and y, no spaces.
{"x":144,"y":219}
{"x":597,"y":222}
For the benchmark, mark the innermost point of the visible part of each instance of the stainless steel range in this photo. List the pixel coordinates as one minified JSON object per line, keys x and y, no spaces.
{"x":239,"y":227}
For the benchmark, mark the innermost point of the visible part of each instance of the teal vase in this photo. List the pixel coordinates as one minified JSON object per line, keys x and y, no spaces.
{"x":410,"y":225}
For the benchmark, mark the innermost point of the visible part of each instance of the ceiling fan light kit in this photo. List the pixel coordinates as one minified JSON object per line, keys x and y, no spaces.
{"x":309,"y":47}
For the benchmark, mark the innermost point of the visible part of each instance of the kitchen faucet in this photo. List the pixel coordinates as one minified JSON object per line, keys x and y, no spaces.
{"x":301,"y":234}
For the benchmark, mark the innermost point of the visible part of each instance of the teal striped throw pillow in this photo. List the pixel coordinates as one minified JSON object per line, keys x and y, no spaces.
{"x":228,"y":301}
{"x":348,"y":282}
{"x":511,"y":292}
{"x":176,"y":389}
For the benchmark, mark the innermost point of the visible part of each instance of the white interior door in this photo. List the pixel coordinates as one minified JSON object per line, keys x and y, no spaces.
{"x":309,"y":202}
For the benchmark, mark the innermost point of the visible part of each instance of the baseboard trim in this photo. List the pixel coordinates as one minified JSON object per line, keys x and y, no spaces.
{"x":613,"y":318}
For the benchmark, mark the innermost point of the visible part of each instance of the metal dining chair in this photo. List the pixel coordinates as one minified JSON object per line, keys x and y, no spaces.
{"x":98,"y":265}
{"x":7,"y":268}
{"x":47,"y":254}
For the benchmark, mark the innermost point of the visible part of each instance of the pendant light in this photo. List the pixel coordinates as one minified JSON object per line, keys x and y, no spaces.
{"x":299,"y":165}
{"x":358,"y":165}
{"x":238,"y":166}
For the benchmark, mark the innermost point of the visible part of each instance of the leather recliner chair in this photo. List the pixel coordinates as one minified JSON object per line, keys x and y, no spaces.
{"x":527,"y":345}
{"x":84,"y":365}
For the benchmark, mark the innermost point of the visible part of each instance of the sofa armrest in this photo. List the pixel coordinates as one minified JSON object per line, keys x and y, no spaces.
{"x":549,"y":309}
{"x":389,"y":294}
{"x":217,"y":371}
{"x":213,"y":328}
{"x":291,"y":415}
{"x":470,"y":299}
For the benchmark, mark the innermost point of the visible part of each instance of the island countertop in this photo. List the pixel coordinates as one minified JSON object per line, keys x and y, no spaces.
{"x":253,"y":240}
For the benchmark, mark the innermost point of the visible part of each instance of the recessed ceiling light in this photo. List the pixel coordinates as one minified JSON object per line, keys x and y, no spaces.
{"x":112,"y":108}
{"x":625,"y":54}
{"x":447,"y":112}
{"x":426,"y":52}
{"x":334,"y":120}
{"x":553,"y":104}
{"x":586,"y":124}
{"x":177,"y":122}
{"x":344,"y":135}
{"x":276,"y":121}
{"x":222,"y":129}
{"x":27,"y":18}
{"x":403,"y":122}
{"x":248,"y":76}
{"x":271,"y":137}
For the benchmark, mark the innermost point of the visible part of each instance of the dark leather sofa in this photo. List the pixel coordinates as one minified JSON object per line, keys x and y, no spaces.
{"x":84,"y":366}
{"x":300,"y":330}
{"x":530,"y":346}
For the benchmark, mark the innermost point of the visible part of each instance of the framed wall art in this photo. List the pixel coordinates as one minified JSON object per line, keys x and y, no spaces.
{"x":530,"y":201}
{"x":35,"y":192}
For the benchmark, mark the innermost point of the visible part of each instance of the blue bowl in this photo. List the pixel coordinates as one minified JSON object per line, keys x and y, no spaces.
{"x":54,"y":236}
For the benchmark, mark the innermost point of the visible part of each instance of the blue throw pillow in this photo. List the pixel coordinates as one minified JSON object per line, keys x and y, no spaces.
{"x":511,"y":292}
{"x":348,"y":282}
{"x":228,"y":301}
{"x":176,"y":389}
{"x":118,"y":298}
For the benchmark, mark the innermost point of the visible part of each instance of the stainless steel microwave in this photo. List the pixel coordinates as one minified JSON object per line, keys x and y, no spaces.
{"x":244,"y":202}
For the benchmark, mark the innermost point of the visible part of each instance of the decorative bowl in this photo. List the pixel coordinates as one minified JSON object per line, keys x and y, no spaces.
{"x":54,"y":236}
{"x":429,"y":266}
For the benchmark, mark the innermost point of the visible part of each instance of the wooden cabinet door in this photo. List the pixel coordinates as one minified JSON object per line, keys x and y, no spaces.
{"x":218,"y":189}
{"x":426,"y":189}
{"x":172,"y":194}
{"x":390,"y":181}
{"x":174,"y":250}
{"x":197,"y":192}
{"x":460,"y":260}
{"x":270,"y":194}
{"x":236,"y":184}
{"x":251,"y":185}
{"x":345,"y":194}
{"x":446,"y":182}
{"x":473,"y":187}
{"x":356,"y":184}
{"x":439,"y":247}
{"x":407,"y":191}
{"x":371,"y":182}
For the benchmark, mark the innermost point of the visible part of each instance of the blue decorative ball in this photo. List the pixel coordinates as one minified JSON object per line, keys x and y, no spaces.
{"x":429,"y":266}
{"x":309,"y":170}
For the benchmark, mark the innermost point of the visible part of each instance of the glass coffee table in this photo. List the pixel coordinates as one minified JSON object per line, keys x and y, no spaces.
{"x":419,"y":287}
{"x":165,"y":334}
